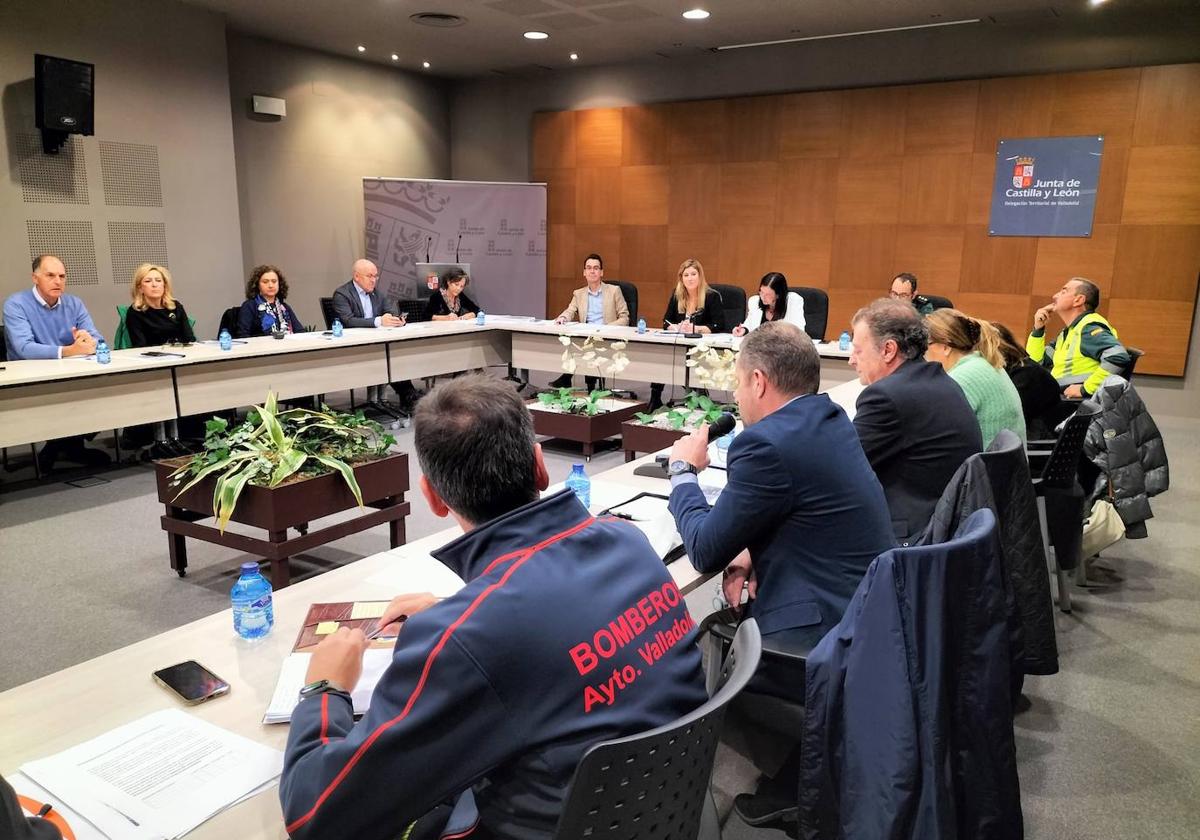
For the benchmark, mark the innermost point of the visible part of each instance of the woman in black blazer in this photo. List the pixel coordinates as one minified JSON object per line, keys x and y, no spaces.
{"x":694,"y":308}
{"x":449,"y":302}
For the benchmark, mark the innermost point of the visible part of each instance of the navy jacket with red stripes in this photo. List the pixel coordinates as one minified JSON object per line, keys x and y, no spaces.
{"x":569,"y":631}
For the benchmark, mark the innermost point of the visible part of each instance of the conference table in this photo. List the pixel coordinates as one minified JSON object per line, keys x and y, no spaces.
{"x":81,"y":702}
{"x":45,"y":399}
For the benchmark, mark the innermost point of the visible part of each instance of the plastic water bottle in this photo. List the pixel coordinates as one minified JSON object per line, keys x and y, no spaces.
{"x":641,"y":326}
{"x":225,"y":340}
{"x":479,"y":318}
{"x":580,"y":484}
{"x":253,"y":613}
{"x":103,"y":354}
{"x":337,"y":328}
{"x":844,"y":341}
{"x":723,"y":449}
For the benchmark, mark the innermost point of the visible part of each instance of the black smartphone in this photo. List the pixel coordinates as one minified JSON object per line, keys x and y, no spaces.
{"x":191,"y":681}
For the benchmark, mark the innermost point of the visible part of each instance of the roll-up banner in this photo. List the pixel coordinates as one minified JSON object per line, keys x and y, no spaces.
{"x":498,"y":228}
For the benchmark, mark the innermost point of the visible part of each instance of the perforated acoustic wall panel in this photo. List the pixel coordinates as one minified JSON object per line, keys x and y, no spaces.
{"x":57,"y":179}
{"x":843,"y":189}
{"x":134,"y":243}
{"x":131,"y":175}
{"x":72,"y":242}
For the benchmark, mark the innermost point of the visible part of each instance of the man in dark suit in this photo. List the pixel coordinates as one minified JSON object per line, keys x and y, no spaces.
{"x":359,"y":303}
{"x":798,"y":522}
{"x":914,"y":422}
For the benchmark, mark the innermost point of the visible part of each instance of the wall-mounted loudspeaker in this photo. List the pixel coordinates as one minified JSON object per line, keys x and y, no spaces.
{"x":268,"y":105}
{"x":65,"y":99}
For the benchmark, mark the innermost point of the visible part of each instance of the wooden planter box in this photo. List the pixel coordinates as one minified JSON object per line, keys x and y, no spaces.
{"x":383,"y":482}
{"x":580,"y":427}
{"x":637,"y":438}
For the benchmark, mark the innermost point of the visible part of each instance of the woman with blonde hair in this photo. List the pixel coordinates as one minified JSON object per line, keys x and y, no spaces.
{"x":154,"y":316}
{"x":693,"y":309}
{"x":969,"y":350}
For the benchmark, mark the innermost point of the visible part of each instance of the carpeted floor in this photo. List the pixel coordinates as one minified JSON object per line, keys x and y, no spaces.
{"x":1109,"y":749}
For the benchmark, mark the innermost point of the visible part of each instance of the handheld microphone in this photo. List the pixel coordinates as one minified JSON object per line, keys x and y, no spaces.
{"x":722,"y":426}
{"x":457,"y":247}
{"x":428,"y":242}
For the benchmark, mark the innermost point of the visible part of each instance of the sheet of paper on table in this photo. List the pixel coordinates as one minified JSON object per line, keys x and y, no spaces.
{"x":292,"y":679}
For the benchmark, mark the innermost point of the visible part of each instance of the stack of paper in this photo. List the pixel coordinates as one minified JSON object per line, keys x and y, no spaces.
{"x":291,"y":680}
{"x":158,"y":777}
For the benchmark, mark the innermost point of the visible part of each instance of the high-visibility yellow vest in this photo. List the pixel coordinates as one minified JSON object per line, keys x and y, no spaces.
{"x":1069,"y":364}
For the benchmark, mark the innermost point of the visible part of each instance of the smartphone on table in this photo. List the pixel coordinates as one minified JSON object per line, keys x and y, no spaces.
{"x":191,"y":682}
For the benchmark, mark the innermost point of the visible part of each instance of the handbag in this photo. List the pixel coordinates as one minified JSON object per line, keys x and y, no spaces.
{"x":1102,"y":528}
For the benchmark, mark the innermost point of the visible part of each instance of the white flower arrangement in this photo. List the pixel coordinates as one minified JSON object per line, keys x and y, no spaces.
{"x":713,"y":367}
{"x":605,"y":358}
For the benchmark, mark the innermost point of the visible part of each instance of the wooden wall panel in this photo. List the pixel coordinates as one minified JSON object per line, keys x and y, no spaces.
{"x":863,"y":256}
{"x":940,"y":119}
{"x":1014,"y":107}
{"x":933,"y":253}
{"x":645,"y":194}
{"x":748,"y":193}
{"x":598,"y":196}
{"x":842,"y":307}
{"x":1162,"y":186}
{"x":842,"y":189}
{"x":695,"y":195}
{"x":802,"y":253}
{"x":1100,"y":102}
{"x":1157,"y":327}
{"x":1158,"y":262}
{"x":645,"y":139}
{"x":1061,"y":258}
{"x":999,"y":264}
{"x":598,"y":137}
{"x":695,"y":131}
{"x":934,"y":189}
{"x":558,"y":293}
{"x":1167,"y":114}
{"x":811,"y":124}
{"x":807,"y":191}
{"x":868,"y":191}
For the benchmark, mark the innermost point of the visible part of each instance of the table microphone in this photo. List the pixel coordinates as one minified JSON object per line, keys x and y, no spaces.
{"x":723,"y":425}
{"x":428,"y":242}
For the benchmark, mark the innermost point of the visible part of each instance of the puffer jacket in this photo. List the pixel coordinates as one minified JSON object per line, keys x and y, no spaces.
{"x":1126,"y":446}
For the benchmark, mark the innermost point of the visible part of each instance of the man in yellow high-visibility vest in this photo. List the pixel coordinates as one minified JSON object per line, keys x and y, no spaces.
{"x":1087,"y":351}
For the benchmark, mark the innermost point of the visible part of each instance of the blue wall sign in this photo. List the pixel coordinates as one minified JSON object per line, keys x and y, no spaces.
{"x":1045,"y":186}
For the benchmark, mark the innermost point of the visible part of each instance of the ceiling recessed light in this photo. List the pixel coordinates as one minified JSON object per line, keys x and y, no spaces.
{"x":535,"y":35}
{"x":395,"y":57}
{"x":1096,"y":2}
{"x":361,"y":48}
{"x":425,"y":64}
{"x":695,"y":14}
{"x":574,"y":56}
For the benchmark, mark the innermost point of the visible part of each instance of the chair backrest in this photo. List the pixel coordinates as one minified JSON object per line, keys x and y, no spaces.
{"x":652,"y":786}
{"x":939,"y":302}
{"x":733,"y":302}
{"x":630,"y":292}
{"x":413,"y":310}
{"x":327,"y":311}
{"x":1061,"y":467}
{"x":1126,"y":372}
{"x":816,"y":310}
{"x":121,"y":335}
{"x":3,"y":345}
{"x":229,"y":321}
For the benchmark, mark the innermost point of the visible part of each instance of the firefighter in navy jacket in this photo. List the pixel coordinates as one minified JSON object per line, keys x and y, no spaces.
{"x":569,"y":631}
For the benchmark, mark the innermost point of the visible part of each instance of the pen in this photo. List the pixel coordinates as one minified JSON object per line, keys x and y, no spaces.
{"x":374,"y":634}
{"x":45,"y":809}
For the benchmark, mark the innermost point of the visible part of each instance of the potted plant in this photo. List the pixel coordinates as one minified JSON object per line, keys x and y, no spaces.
{"x":590,"y":418}
{"x":711,"y":367}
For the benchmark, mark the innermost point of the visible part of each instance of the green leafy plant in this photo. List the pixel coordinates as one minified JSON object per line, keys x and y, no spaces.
{"x":273,"y":446}
{"x":566,"y":401}
{"x":697,"y":409}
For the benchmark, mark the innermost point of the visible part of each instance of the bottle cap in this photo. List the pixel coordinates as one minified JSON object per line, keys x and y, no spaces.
{"x":249,"y":568}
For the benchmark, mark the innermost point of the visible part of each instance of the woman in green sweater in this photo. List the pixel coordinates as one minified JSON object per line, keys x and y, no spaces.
{"x":969,"y":350}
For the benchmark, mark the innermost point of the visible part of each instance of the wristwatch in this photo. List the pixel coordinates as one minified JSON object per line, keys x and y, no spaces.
{"x":680,"y":468}
{"x":320,"y":687}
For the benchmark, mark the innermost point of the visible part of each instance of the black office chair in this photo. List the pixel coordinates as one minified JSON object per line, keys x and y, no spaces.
{"x":412,"y":310}
{"x":940,"y":302}
{"x":229,"y":319}
{"x":327,"y":311}
{"x":1126,"y":372}
{"x":733,"y":302}
{"x":1062,"y":501}
{"x":816,"y":310}
{"x":655,"y":785}
{"x":630,"y":292}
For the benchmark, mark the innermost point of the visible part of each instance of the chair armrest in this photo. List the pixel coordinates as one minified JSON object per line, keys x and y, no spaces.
{"x":1047,"y":444}
{"x":778,"y":649}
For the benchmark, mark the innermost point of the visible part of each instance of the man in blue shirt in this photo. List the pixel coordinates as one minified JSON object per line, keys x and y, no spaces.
{"x":596,"y":303}
{"x":43,"y":322}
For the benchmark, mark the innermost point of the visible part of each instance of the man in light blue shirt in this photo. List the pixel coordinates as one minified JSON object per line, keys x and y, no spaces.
{"x":595,"y":303}
{"x":43,"y":322}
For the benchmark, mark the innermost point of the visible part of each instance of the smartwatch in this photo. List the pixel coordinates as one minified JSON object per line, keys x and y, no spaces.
{"x":320,"y":687}
{"x":681,"y":468}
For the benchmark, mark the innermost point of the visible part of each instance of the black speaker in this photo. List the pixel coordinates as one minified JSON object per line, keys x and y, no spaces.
{"x":65,"y":92}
